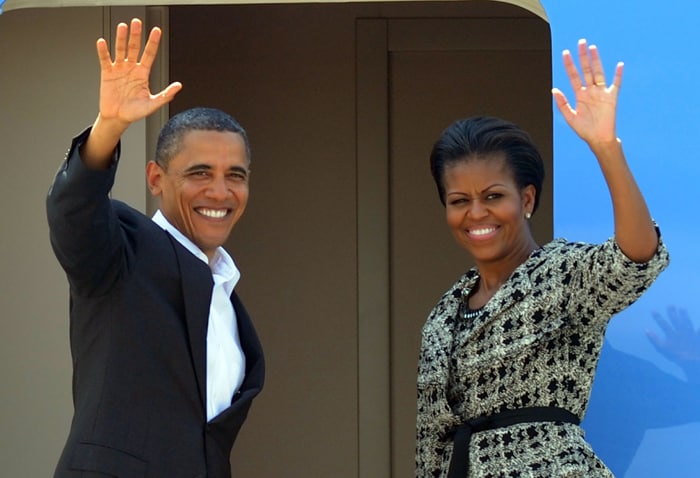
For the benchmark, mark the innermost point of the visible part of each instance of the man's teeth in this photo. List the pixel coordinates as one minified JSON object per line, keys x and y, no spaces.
{"x":481,"y":231}
{"x":215,"y":213}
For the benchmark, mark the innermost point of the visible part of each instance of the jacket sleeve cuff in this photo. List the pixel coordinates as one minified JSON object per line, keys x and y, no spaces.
{"x":79,"y":140}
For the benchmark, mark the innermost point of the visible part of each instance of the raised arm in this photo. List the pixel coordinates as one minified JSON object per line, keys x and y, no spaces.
{"x":593,"y":120}
{"x":125,"y":95}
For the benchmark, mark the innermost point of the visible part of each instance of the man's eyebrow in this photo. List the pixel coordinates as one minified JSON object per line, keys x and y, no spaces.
{"x":197,"y":167}
{"x":238,"y":169}
{"x":207,"y":167}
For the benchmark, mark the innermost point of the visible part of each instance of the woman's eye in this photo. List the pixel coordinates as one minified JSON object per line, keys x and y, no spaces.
{"x":494,"y":196}
{"x":459,"y":202}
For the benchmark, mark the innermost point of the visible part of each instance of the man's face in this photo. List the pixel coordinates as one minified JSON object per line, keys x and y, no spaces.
{"x":204,"y":190}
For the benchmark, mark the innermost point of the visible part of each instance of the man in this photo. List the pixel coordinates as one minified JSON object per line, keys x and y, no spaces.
{"x":166,"y":360}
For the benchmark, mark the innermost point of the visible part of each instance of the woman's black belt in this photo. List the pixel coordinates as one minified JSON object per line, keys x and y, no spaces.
{"x":459,"y":465}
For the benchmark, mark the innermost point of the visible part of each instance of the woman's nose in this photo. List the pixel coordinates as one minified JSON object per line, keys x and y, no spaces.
{"x":476,"y":210}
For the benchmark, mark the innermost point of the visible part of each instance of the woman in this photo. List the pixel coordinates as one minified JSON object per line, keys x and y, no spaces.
{"x":509,"y":352}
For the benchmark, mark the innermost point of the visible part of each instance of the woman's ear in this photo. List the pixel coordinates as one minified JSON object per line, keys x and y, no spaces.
{"x":154,"y":176}
{"x":528,"y":195}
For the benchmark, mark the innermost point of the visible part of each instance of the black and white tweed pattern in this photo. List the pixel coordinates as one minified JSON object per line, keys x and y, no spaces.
{"x":535,"y":343}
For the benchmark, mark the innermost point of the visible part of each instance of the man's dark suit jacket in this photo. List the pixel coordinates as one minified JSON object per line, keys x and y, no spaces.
{"x":139,"y":306}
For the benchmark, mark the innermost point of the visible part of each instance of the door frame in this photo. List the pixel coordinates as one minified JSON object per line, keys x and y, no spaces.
{"x":376,"y":39}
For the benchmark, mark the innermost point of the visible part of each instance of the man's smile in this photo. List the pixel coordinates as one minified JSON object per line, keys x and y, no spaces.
{"x":212,"y":213}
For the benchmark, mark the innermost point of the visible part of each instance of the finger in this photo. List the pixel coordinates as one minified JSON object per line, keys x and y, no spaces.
{"x":596,"y":67}
{"x":672,"y":314}
{"x":168,"y":93}
{"x":120,"y":42}
{"x":134,"y":41}
{"x":151,"y":49}
{"x":563,"y":104}
{"x":103,"y":53}
{"x":655,"y":340}
{"x":683,"y":315}
{"x":663,"y":324}
{"x":584,"y":59}
{"x":617,"y":79}
{"x":172,"y":89}
{"x":571,"y":70}
{"x":682,"y":322}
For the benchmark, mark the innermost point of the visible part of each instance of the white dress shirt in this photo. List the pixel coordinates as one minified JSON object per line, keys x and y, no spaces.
{"x":225,"y":357}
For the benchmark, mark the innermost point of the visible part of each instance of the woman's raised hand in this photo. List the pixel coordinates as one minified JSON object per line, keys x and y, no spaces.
{"x":593,"y":115}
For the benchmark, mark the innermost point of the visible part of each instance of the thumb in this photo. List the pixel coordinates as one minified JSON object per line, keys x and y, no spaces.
{"x":563,"y":104}
{"x":168,"y":93}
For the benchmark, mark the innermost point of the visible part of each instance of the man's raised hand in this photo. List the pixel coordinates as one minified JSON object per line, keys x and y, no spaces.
{"x":125,"y":95}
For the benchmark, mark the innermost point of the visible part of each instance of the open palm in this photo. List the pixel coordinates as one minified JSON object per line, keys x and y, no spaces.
{"x":593,"y":116}
{"x":124,"y":86}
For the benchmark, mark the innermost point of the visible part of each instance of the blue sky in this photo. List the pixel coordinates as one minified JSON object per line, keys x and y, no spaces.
{"x":657,"y":122}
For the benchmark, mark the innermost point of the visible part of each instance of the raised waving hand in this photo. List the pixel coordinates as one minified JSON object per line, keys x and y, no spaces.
{"x":679,"y":341}
{"x":125,"y":95}
{"x":593,"y":115}
{"x":593,"y":119}
{"x":124,"y":89}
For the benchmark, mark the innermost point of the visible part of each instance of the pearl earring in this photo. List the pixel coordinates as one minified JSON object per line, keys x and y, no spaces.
{"x":528,"y":215}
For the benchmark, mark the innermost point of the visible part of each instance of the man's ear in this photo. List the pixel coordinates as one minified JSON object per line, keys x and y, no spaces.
{"x":154,"y":176}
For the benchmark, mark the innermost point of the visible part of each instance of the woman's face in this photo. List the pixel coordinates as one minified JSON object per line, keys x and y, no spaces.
{"x":486,"y":210}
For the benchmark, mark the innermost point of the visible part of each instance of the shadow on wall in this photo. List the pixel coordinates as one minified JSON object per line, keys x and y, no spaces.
{"x":631,"y":395}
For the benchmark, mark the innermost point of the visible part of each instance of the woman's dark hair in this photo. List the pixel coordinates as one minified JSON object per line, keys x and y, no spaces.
{"x":483,"y":137}
{"x":194,"y":119}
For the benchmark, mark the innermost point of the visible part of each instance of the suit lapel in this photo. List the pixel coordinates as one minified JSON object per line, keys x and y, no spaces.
{"x":255,"y":367}
{"x":511,"y":319}
{"x":510,"y":294}
{"x":197,"y":285}
{"x":503,"y":300}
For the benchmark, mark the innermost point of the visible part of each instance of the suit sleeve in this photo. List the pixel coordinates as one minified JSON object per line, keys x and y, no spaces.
{"x":83,"y":226}
{"x":605,"y":281}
